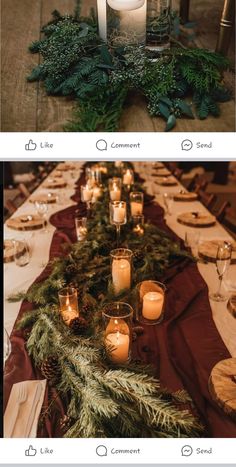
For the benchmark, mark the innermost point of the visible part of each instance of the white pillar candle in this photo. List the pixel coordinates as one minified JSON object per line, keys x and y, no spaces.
{"x":97,"y":192}
{"x":152,"y":305}
{"x":118,"y":214}
{"x":120,"y":346}
{"x":68,"y":314}
{"x":87,"y":194}
{"x":121,"y":275}
{"x":115,"y":194}
{"x":125,"y":5}
{"x":136,"y":208}
{"x":102,"y":18}
{"x":128,"y":177}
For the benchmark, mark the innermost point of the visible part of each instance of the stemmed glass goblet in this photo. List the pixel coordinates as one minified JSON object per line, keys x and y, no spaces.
{"x":118,"y":216}
{"x":223,"y":259}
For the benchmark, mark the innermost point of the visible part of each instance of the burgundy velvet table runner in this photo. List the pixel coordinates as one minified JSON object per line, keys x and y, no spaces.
{"x":183,"y":348}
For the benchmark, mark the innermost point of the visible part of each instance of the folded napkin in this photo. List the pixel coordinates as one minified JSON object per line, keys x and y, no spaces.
{"x":21,"y":419}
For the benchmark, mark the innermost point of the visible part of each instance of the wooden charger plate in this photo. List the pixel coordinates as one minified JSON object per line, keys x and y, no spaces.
{"x":162,"y":172}
{"x":25,"y":222}
{"x":53,"y":183}
{"x":9,"y":250}
{"x":185,"y":196}
{"x":231,"y":305}
{"x":222,"y":385}
{"x":196,"y":219}
{"x":65,"y":166}
{"x":208,"y":250}
{"x":166,"y":181}
{"x":49,"y":198}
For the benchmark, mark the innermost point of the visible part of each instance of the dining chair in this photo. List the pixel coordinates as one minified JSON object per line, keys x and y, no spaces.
{"x":222,"y":211}
{"x":10,"y":206}
{"x":178,"y":173}
{"x":226,"y":23}
{"x":208,"y":199}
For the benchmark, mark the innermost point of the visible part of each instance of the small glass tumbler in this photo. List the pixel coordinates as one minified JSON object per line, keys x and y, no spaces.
{"x":136,"y":203}
{"x":158,"y":25}
{"x":117,"y":318}
{"x":121,"y":269}
{"x":191,"y":241}
{"x":42,"y":211}
{"x":86,"y":195}
{"x":115,"y":184}
{"x":151,"y":301}
{"x":128,"y":178}
{"x":138,"y":223}
{"x":68,"y":299}
{"x":21,"y":253}
{"x":118,"y":216}
{"x":81,"y":228}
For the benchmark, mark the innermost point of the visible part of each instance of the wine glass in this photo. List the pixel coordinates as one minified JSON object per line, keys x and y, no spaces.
{"x":7,"y":346}
{"x":118,"y":216}
{"x":21,"y":253}
{"x":42,"y":210}
{"x":223,"y":259}
{"x":168,"y":202}
{"x":192,"y":239}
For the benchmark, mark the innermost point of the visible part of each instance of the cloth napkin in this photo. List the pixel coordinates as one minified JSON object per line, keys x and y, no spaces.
{"x":28,"y":412}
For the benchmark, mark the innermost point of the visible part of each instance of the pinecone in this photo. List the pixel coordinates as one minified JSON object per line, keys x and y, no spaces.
{"x":50,"y":369}
{"x":79,"y":325}
{"x":86,"y":309}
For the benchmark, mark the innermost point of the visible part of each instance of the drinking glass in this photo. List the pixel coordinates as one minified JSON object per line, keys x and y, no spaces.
{"x":191,"y":241}
{"x":81,"y":228}
{"x":7,"y":346}
{"x":42,"y":210}
{"x":223,"y":259}
{"x":168,"y":202}
{"x":86,"y":195}
{"x":118,"y":216}
{"x":117,"y":318}
{"x":21,"y":253}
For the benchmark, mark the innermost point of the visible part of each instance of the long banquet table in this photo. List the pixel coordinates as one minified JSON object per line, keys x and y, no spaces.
{"x":183,"y":349}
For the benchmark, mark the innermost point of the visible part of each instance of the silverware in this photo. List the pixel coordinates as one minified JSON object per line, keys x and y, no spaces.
{"x":21,"y":399}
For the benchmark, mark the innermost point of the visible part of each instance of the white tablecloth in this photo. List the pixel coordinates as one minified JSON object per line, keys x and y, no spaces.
{"x":17,"y":279}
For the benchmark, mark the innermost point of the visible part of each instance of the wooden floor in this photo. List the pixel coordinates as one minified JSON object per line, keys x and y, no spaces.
{"x":25,"y":106}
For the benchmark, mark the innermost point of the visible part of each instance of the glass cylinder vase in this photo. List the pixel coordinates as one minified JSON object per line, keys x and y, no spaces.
{"x":158,"y":25}
{"x":117,"y":317}
{"x":151,"y":301}
{"x":68,"y":299}
{"x":121,"y":269}
{"x":126,"y":22}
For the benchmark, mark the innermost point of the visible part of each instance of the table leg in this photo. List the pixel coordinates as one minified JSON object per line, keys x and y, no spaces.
{"x":184,"y":11}
{"x":226,"y":26}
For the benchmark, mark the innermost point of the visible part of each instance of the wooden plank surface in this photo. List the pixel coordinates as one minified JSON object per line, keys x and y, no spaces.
{"x":26,"y":107}
{"x":20,"y":25}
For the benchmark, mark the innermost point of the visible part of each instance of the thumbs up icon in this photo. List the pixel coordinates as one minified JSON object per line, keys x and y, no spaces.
{"x":31,"y":451}
{"x":31,"y":146}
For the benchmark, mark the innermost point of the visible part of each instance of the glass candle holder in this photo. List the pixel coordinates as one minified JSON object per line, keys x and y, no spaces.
{"x":117,"y":317}
{"x":158,"y":25}
{"x":97,"y":193}
{"x":81,"y":228}
{"x":118,"y":216}
{"x":86,"y":195}
{"x":115,"y":184}
{"x":128,"y":178}
{"x":138,"y":222}
{"x":126,"y":22}
{"x":151,"y":301}
{"x":68,"y":299}
{"x":121,"y":269}
{"x":136,"y":203}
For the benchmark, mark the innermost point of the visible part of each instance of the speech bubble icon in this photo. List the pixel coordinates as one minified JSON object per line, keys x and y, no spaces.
{"x":187,"y":451}
{"x":186,"y":145}
{"x":101,"y":450}
{"x":101,"y":145}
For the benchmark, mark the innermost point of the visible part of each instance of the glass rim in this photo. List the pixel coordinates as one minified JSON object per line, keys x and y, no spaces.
{"x":136,"y":193}
{"x":121,"y":253}
{"x":118,"y":203}
{"x":161,"y":284}
{"x":61,"y":292}
{"x":117,"y":304}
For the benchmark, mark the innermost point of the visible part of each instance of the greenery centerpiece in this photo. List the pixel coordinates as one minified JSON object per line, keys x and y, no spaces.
{"x":76,"y":62}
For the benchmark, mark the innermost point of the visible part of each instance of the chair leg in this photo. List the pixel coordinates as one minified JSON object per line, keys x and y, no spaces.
{"x":184,"y":11}
{"x":226,"y":26}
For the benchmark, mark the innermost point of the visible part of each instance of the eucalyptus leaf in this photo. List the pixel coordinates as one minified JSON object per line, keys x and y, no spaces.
{"x":171,"y":122}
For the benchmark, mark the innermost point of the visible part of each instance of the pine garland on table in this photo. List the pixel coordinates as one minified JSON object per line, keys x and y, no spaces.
{"x":77,"y":63}
{"x":104,"y":401}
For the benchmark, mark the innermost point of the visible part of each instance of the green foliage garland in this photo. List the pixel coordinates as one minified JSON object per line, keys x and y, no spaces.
{"x":103,"y":400}
{"x":77,"y":63}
